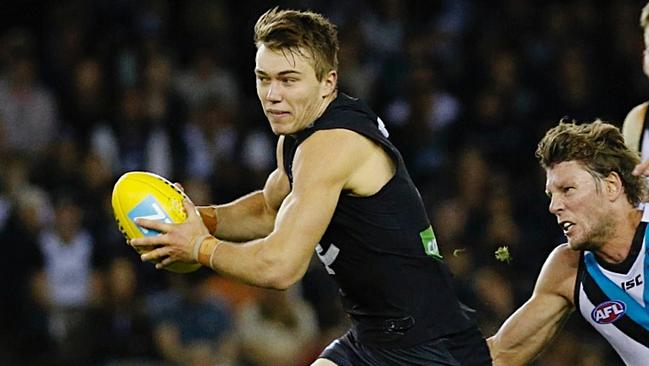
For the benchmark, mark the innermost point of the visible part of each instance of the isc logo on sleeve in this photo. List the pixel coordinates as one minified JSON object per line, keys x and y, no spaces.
{"x":149,"y":209}
{"x":608,"y":312}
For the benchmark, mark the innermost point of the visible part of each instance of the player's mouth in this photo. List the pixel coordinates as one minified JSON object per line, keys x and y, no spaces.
{"x":566,"y":226}
{"x":277,"y":113}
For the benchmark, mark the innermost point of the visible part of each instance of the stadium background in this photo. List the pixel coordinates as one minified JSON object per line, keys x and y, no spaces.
{"x":91,"y":89}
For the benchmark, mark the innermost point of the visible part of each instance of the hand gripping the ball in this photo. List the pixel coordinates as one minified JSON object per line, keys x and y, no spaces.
{"x":207,"y":213}
{"x":177,"y":242}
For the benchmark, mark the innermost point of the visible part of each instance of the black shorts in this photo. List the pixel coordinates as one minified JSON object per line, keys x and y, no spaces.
{"x":467,"y":348}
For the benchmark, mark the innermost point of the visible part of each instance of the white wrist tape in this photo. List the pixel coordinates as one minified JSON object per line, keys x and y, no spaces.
{"x":196,"y":245}
{"x":212,"y":256}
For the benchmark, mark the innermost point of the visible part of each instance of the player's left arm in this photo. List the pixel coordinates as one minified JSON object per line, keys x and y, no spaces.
{"x":533,"y":326}
{"x":322,"y":168}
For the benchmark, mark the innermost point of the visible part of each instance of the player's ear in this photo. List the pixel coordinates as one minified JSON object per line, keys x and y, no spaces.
{"x":329,"y":83}
{"x":613,"y":185}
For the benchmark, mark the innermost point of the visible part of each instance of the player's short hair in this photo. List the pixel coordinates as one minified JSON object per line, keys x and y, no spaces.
{"x":600,"y":147}
{"x":644,"y":16}
{"x":300,"y":31}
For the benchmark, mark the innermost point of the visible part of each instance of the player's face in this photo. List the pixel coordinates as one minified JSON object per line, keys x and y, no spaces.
{"x":576,"y":199}
{"x":289,"y":92}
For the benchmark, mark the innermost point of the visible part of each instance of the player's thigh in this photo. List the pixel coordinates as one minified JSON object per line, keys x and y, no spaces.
{"x":323,"y":362}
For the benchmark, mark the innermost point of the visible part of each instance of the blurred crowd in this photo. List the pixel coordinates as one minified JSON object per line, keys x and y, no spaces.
{"x":92,"y":89}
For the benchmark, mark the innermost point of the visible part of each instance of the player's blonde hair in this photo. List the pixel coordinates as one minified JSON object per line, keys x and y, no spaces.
{"x":600,"y":147}
{"x":300,"y":31}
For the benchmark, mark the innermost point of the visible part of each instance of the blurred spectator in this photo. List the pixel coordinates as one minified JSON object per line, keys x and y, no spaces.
{"x":70,"y":285}
{"x":192,"y":326}
{"x":97,"y":181}
{"x":28,"y":110}
{"x":65,"y":43}
{"x":133,"y":142}
{"x":206,"y":79}
{"x":212,"y":140}
{"x":576,"y":85}
{"x":208,"y":24}
{"x":496,"y":295}
{"x":166,"y":113}
{"x":451,"y":216}
{"x":277,"y":329}
{"x":358,"y":72}
{"x":85,"y":104}
{"x":126,"y":334}
{"x":59,"y":169}
{"x":384,"y":26}
{"x":23,"y":327}
{"x":258,"y":155}
{"x":424,"y":120}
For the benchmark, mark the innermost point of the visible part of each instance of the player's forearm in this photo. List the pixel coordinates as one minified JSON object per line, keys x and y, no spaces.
{"x":255,"y":262}
{"x":508,"y":352}
{"x":246,"y":218}
{"x":523,"y":336}
{"x":505,"y":353}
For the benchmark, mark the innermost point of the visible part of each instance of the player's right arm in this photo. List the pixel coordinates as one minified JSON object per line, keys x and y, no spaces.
{"x":526,"y":333}
{"x":633,"y":126}
{"x":632,"y":129}
{"x":253,"y":215}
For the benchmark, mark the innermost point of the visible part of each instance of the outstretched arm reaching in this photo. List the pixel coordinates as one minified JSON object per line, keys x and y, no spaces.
{"x":526,"y":333}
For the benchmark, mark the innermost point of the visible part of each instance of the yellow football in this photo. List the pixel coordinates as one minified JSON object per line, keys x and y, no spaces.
{"x":149,"y":196}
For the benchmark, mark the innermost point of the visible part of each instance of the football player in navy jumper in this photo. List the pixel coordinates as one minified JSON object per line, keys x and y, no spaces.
{"x":340,"y":189}
{"x":594,"y":187}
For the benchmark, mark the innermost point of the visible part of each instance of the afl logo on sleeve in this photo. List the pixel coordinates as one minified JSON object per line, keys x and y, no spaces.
{"x":608,"y":312}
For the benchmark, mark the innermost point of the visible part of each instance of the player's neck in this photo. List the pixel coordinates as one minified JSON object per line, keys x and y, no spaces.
{"x":325,"y":103}
{"x":617,"y":246}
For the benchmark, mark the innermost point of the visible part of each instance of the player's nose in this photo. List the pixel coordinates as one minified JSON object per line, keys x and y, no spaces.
{"x":556,"y":205}
{"x":274,"y":93}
